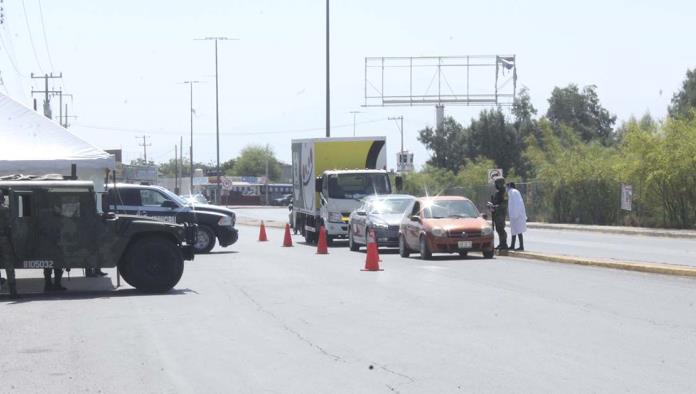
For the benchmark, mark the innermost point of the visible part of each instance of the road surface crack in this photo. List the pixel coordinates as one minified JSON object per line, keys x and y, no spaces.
{"x":391,"y":371}
{"x":289,"y":329}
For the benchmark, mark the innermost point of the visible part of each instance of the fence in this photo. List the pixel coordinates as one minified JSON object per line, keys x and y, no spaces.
{"x":585,"y":202}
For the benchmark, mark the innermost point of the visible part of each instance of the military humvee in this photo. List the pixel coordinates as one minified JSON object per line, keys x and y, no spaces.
{"x":55,"y":224}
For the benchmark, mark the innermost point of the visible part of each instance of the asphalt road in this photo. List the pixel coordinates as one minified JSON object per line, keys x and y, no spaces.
{"x":259,"y":318}
{"x":637,"y":248}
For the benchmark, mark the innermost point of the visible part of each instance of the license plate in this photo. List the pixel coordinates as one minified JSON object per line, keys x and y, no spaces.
{"x":464,"y":244}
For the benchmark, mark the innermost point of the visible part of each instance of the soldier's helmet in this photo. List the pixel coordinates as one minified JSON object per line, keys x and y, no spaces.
{"x":500,"y":182}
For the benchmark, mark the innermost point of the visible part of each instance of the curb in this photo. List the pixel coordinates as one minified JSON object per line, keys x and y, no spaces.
{"x":653,"y":268}
{"x":256,"y":222}
{"x":684,"y":234}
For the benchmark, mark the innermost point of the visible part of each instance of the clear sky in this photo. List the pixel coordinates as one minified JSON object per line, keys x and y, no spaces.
{"x":124,"y":60}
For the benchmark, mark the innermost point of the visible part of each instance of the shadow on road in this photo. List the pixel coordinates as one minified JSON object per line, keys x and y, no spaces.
{"x":81,"y":288}
{"x":222,"y":252}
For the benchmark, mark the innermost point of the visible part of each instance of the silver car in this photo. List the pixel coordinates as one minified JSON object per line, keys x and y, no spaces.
{"x":381,"y":213}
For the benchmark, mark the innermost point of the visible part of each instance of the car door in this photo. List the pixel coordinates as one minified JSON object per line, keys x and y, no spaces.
{"x":361,"y":226}
{"x":24,"y":230}
{"x":156,"y":205}
{"x":413,"y":227}
{"x":75,"y":216}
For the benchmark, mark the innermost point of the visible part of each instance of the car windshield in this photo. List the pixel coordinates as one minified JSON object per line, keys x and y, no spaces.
{"x":438,"y":209}
{"x":390,"y":206}
{"x":358,"y":185}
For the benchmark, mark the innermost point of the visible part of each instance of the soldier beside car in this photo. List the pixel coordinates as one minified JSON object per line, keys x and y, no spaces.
{"x":6,"y":252}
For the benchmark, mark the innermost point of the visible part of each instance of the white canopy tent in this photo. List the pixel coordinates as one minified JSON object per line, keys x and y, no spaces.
{"x":33,"y":144}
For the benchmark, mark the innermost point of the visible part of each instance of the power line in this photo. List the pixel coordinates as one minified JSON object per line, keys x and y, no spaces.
{"x":43,"y":28}
{"x":31,"y":39}
{"x":345,"y":125}
{"x":9,"y":56}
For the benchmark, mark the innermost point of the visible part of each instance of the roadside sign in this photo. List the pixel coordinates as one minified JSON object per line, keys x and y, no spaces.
{"x":626,"y":197}
{"x":494,"y":174}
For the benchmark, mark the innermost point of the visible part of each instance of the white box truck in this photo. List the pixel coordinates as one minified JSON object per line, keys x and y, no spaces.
{"x":330,"y":177}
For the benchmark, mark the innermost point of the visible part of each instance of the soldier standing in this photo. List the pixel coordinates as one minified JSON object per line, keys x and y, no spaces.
{"x":55,"y":285}
{"x":6,"y":255}
{"x":500,"y":204}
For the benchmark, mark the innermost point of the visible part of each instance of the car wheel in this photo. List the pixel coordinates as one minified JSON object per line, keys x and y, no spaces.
{"x":403,"y":248}
{"x":425,"y":253}
{"x":351,"y":242}
{"x":463,"y":254}
{"x":152,"y":264}
{"x":205,"y":239}
{"x":488,"y":254}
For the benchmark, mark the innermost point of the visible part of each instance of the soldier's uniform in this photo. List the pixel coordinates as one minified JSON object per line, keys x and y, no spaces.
{"x":6,"y":251}
{"x":500,"y":202}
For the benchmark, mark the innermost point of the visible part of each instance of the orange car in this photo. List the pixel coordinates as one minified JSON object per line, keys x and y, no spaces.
{"x":444,"y":224}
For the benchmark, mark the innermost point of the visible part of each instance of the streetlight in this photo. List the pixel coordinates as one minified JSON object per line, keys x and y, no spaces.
{"x":354,"y":114}
{"x":190,"y":83}
{"x":217,"y":112}
{"x":328,"y":87}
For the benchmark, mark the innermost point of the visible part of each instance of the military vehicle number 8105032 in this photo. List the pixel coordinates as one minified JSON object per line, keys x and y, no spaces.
{"x":38,"y":263}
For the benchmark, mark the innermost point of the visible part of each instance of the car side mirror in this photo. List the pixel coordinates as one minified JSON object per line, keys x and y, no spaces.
{"x":169,"y":204}
{"x":484,"y":215}
{"x":415,"y":218}
{"x":318,"y":184}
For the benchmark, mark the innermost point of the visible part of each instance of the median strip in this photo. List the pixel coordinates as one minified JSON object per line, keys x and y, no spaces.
{"x":654,"y":268}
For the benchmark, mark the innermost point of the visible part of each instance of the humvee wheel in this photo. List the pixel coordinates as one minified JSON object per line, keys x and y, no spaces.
{"x":205,"y":239}
{"x":153,"y":265}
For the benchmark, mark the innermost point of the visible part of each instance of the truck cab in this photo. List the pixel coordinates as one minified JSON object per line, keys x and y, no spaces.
{"x":342,"y":191}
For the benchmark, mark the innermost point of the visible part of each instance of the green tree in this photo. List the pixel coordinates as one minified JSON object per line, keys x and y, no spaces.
{"x":252,"y":162}
{"x":447,"y":146}
{"x":684,"y":101}
{"x":227,"y":167}
{"x":493,"y":137}
{"x":429,"y":181}
{"x":582,"y":112}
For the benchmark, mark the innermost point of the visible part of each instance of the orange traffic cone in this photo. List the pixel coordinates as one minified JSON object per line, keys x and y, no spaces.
{"x":322,"y":247}
{"x":262,"y":233}
{"x":372,"y":259}
{"x":287,"y":241}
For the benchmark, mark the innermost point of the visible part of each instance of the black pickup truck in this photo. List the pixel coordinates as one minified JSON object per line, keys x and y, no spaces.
{"x":159,"y":203}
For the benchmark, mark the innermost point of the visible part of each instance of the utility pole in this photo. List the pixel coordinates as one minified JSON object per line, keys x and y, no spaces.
{"x":176,"y":169}
{"x":217,"y":114}
{"x":46,"y":92}
{"x":190,"y":83}
{"x":180,"y":170}
{"x":144,"y":145}
{"x":266,"y":180}
{"x":354,"y":114}
{"x":328,"y":79}
{"x":401,"y":118}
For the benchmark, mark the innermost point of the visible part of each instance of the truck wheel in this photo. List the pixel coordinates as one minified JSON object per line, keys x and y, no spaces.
{"x":205,"y":239}
{"x":425,"y":253}
{"x":351,"y":242}
{"x":488,"y":254}
{"x":153,"y":265}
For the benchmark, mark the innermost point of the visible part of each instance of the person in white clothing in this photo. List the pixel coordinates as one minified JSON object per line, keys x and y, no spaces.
{"x":517,"y":214}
